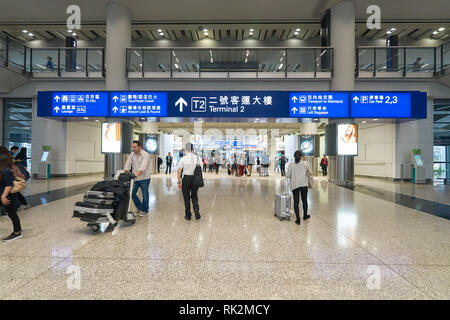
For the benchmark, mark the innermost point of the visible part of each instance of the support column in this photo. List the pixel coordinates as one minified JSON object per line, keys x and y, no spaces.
{"x":118,"y":38}
{"x":342,"y":40}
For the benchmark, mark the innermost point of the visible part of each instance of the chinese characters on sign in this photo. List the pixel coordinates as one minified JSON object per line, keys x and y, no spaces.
{"x":70,"y":104}
{"x":138,"y":104}
{"x":318,"y":104}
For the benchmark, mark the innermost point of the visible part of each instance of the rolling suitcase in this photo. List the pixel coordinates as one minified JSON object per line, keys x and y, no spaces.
{"x":100,"y":197}
{"x":283,"y":203}
{"x":93,"y":212}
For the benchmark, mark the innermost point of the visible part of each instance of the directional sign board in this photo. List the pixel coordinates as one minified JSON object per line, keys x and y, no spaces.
{"x":319,"y":105}
{"x":138,"y":104}
{"x":381,"y":104}
{"x":245,"y":104}
{"x":79,"y":104}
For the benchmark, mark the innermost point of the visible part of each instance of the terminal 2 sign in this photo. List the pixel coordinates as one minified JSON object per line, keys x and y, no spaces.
{"x":239,"y":104}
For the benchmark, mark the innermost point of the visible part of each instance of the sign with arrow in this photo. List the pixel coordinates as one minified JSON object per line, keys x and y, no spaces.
{"x":181,"y":103}
{"x":78,"y":103}
{"x":317,"y":104}
{"x":138,"y":104}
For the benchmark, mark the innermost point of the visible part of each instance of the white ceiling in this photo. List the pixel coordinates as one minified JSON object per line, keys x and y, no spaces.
{"x":54,"y":11}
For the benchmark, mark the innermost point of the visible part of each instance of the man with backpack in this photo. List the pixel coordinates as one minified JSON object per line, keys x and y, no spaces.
{"x":283,"y":161}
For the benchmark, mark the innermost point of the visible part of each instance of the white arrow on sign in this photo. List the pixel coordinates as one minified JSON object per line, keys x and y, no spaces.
{"x":356,"y":99}
{"x":115,"y":109}
{"x":294,"y":110}
{"x":294,"y":98}
{"x":115,"y":98}
{"x":57,"y":98}
{"x":56,"y":109}
{"x":181,"y":102}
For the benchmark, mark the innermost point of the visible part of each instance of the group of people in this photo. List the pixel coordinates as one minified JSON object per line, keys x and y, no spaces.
{"x":13,"y":166}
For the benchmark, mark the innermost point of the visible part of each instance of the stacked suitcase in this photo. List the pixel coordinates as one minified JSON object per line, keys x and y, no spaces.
{"x":102,"y":209}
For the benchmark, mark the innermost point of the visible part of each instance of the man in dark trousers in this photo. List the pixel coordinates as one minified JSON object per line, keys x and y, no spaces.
{"x":169,"y":160}
{"x":283,"y":161}
{"x":187,"y":165}
{"x":159,"y":163}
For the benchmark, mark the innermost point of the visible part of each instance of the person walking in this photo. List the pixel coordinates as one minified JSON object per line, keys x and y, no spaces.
{"x":241,"y":164}
{"x":283,"y":161}
{"x":187,"y":165}
{"x":138,"y":162}
{"x":160,"y":161}
{"x":324,"y":165}
{"x":298,"y":182}
{"x":8,"y":199}
{"x":169,"y":160}
{"x":210,"y":162}
{"x":21,"y":158}
{"x":17,"y":172}
{"x":217,"y":162}
{"x":265,"y":165}
{"x":250,"y":164}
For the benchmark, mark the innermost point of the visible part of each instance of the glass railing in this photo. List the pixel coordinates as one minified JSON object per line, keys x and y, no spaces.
{"x":60,"y":61}
{"x":223,"y":62}
{"x":13,"y":53}
{"x":52,"y":61}
{"x":444,"y":54}
{"x":397,"y":62}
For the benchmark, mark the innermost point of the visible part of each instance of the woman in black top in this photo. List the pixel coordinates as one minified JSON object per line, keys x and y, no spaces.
{"x":21,"y":158}
{"x":8,"y":199}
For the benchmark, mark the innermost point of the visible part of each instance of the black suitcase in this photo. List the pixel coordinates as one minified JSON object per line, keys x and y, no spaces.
{"x":100,"y":197}
{"x":91,"y":211}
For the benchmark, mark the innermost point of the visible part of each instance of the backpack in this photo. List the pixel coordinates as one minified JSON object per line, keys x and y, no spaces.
{"x":25,"y":173}
{"x":198,"y":176}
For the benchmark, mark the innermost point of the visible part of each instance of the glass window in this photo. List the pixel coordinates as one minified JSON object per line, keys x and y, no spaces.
{"x":17,"y":115}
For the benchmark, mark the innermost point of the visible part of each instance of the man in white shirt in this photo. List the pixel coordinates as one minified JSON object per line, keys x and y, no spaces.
{"x":138,"y":162}
{"x":187,"y":165}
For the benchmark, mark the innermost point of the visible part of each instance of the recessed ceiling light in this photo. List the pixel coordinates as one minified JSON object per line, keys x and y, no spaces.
{"x":96,"y":120}
{"x":25,"y":31}
{"x":69,"y":31}
{"x":205,"y":30}
{"x":296,"y":33}
{"x":297,"y":30}
{"x":435,"y":32}
{"x":389,"y":32}
{"x":364,"y":122}
{"x":251,"y":30}
{"x":375,"y":119}
{"x":393,"y":29}
{"x":159,"y":30}
{"x":31,"y":35}
{"x":74,"y":34}
{"x":161,"y":34}
{"x":86,"y":118}
{"x":441,"y":29}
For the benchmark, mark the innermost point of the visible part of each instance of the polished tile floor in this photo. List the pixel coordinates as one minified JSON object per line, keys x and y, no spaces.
{"x":354,"y":247}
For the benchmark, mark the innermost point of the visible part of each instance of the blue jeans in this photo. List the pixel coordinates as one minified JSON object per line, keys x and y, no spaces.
{"x":143,"y":184}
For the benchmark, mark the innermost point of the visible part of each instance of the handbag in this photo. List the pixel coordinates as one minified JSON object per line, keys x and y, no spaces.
{"x":198,"y":177}
{"x":311,"y":182}
{"x":18,"y":184}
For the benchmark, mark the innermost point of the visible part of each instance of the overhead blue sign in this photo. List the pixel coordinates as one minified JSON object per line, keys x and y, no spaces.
{"x":72,"y":104}
{"x":245,"y":104}
{"x":381,"y":104}
{"x":318,"y":105}
{"x":138,"y":104}
{"x":79,"y":104}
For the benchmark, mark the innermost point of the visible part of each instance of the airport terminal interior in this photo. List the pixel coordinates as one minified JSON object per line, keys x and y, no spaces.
{"x":247,"y":84}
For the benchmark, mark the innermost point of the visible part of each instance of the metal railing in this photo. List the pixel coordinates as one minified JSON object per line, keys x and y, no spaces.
{"x":52,"y":61}
{"x":256,"y":62}
{"x":413,"y":62}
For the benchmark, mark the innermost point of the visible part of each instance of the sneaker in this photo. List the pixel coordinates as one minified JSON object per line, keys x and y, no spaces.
{"x":142,"y":214}
{"x":13,"y":236}
{"x":197,"y":215}
{"x":138,"y":213}
{"x":187,"y":217}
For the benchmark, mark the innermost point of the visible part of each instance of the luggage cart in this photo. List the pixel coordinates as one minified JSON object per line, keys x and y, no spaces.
{"x":101,"y":213}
